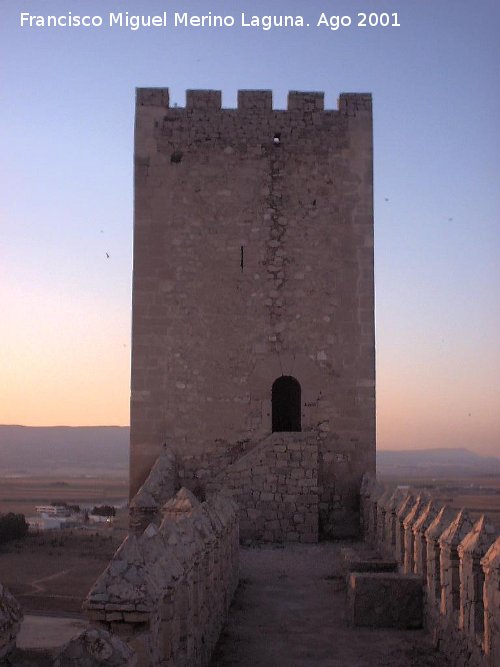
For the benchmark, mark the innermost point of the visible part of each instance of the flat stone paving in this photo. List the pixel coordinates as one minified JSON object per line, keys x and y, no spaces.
{"x":47,"y":632}
{"x":289,"y":612}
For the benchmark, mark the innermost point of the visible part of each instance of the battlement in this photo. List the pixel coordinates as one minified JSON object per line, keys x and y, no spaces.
{"x":349,"y":104}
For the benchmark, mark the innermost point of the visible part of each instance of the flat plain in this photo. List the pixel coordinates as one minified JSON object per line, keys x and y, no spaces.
{"x":478,"y":495}
{"x":23,"y":493}
{"x":52,"y":571}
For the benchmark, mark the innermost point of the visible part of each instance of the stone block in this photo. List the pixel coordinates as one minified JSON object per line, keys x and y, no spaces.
{"x":372,"y":566}
{"x":385,"y":600}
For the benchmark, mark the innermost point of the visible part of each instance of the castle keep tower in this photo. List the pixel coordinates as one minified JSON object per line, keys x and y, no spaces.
{"x":253,"y":303}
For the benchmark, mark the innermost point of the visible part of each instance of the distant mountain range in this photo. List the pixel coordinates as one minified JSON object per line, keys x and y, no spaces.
{"x":79,"y":450}
{"x":101,"y":450}
{"x":435,"y":463}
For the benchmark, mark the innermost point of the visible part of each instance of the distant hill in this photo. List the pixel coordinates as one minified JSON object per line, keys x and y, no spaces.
{"x":436,"y":463}
{"x":92,"y":450}
{"x":37,"y":450}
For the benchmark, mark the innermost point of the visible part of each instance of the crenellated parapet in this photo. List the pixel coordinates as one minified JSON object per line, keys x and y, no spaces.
{"x":491,"y":568}
{"x":428,"y":515}
{"x":167,"y":590}
{"x":382,"y":508}
{"x":349,"y":104}
{"x":456,"y":558}
{"x":471,"y":550}
{"x":449,"y":542}
{"x":408,"y":523}
{"x":397,"y":497}
{"x":402,"y":511}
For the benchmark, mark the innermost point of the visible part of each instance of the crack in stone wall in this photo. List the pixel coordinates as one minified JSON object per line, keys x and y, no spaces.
{"x":276,"y":259}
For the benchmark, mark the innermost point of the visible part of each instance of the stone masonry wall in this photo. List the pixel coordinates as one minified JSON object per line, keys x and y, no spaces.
{"x":253,"y":259}
{"x":457,"y":560}
{"x":276,"y":488}
{"x":275,"y":483}
{"x":167,"y":591}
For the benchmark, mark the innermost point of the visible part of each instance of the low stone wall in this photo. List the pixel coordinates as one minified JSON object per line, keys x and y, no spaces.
{"x":384,"y":600}
{"x":276,"y":488}
{"x":167,"y":591}
{"x":457,"y":558}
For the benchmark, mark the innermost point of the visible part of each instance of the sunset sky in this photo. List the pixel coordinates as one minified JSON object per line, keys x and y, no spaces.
{"x":66,"y":140}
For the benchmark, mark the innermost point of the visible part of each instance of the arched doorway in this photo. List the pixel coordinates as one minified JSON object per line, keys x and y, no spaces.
{"x":285,"y":398}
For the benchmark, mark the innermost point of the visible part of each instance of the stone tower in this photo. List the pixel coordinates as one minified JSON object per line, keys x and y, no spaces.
{"x":253,"y":303}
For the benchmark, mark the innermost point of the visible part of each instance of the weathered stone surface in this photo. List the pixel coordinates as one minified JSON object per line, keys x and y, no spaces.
{"x":429,"y":513}
{"x":11,"y":616}
{"x":390,"y":531}
{"x":372,"y":500}
{"x":182,"y":504}
{"x":276,"y":488}
{"x":491,"y":567}
{"x":95,"y":647}
{"x":402,"y":511}
{"x":449,"y":562}
{"x":382,"y":504}
{"x":387,"y":600}
{"x":470,"y":551}
{"x":408,"y":523}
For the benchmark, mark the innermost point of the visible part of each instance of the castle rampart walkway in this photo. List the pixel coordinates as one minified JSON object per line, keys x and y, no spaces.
{"x":289,"y":612}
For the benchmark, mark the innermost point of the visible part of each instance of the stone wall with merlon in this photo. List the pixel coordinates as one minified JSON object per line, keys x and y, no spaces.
{"x":167,"y":591}
{"x":457,"y":560}
{"x":491,"y":568}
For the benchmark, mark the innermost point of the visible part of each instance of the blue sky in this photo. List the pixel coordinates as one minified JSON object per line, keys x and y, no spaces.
{"x":66,"y":137}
